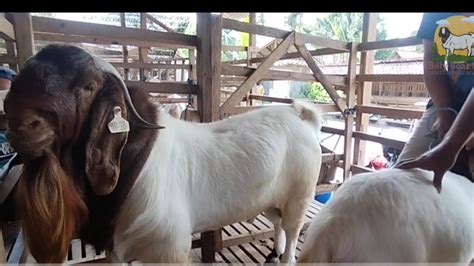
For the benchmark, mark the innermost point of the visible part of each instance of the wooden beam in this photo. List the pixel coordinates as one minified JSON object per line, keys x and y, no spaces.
{"x":317,"y":52}
{"x":226,"y":48}
{"x":318,"y":74}
{"x":210,"y":243}
{"x":123,"y":24}
{"x":332,"y":130}
{"x":209,"y":32}
{"x":24,"y":37}
{"x":238,"y":95}
{"x":143,"y":52}
{"x":8,"y":59}
{"x":387,"y":44}
{"x":279,"y":74}
{"x":192,"y":62}
{"x":321,"y":107}
{"x":393,"y":112}
{"x":357,"y":169}
{"x":281,"y":34}
{"x":393,"y":143}
{"x":159,"y":23}
{"x":349,"y":118}
{"x":53,"y":37}
{"x":163,"y":87}
{"x":150,"y":65}
{"x":391,"y":78}
{"x":364,"y":93}
{"x":127,"y":36}
{"x":7,"y":31}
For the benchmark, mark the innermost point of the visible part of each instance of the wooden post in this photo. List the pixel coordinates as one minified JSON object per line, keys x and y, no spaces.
{"x":124,"y":48}
{"x":24,"y":36}
{"x":211,"y":242}
{"x":364,"y":93}
{"x":209,"y":32}
{"x":142,"y":52}
{"x":11,"y":52}
{"x":250,"y":49}
{"x":349,"y":118}
{"x":192,"y":61}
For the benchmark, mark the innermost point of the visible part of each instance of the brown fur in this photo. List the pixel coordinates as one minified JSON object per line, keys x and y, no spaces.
{"x":75,"y":180}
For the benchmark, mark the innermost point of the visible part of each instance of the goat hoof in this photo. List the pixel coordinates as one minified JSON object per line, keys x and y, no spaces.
{"x":273,"y":257}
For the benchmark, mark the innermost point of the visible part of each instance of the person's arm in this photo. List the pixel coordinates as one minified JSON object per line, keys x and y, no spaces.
{"x":439,"y":87}
{"x":442,"y":158}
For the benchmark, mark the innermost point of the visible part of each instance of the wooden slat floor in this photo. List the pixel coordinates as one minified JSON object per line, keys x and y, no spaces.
{"x":243,"y":242}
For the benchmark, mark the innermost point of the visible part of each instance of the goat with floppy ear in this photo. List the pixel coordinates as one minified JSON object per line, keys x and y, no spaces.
{"x":60,"y":126}
{"x":139,"y":193}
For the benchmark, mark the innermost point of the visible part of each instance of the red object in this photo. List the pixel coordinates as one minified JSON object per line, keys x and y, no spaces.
{"x":378,"y":163}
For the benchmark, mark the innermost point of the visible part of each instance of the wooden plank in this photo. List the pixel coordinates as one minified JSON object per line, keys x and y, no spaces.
{"x":369,"y":31}
{"x":159,"y":23}
{"x":402,"y":113}
{"x":321,"y":107}
{"x":332,"y":130}
{"x":279,"y":74}
{"x":391,"y":78}
{"x":387,"y":44}
{"x":397,"y":144}
{"x":150,"y":65}
{"x":226,"y":48}
{"x":8,"y":59}
{"x":241,"y":239}
{"x":281,"y":34}
{"x":7,"y":31}
{"x":237,"y":96}
{"x":126,"y":35}
{"x":53,"y":37}
{"x":349,"y":118}
{"x":357,"y":169}
{"x":163,"y":87}
{"x":24,"y":37}
{"x":330,"y":157}
{"x":318,"y":74}
{"x":209,"y":31}
{"x":192,"y":62}
{"x":317,"y":52}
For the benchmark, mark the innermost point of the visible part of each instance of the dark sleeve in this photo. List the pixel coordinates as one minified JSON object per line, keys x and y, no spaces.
{"x":428,"y":24}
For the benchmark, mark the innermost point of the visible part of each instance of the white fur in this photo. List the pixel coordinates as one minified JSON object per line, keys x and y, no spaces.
{"x":395,"y":216}
{"x":200,"y":177}
{"x":459,"y":42}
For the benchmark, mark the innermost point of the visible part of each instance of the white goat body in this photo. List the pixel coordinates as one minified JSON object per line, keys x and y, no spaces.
{"x":200,"y":177}
{"x":394,"y":216}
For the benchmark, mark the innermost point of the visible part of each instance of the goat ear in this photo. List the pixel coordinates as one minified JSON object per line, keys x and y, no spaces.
{"x":104,"y":148}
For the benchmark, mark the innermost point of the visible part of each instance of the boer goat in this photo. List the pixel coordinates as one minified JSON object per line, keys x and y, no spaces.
{"x":137,"y":192}
{"x":453,"y":42}
{"x":394,"y":216}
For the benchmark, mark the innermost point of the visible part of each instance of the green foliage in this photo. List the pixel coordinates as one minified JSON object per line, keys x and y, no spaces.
{"x":314,"y":91}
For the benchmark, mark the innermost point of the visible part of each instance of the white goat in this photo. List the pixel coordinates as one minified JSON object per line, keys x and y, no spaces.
{"x":394,"y":216}
{"x":453,"y":42}
{"x":200,"y":177}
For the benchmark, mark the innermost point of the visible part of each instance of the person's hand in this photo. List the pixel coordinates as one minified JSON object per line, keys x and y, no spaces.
{"x":439,"y":160}
{"x":443,"y":123}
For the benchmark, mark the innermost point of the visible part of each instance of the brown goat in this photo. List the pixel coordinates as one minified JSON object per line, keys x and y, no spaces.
{"x":58,"y":109}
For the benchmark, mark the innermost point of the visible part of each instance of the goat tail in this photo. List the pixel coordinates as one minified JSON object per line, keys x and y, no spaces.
{"x":317,"y":247}
{"x":308,"y":112}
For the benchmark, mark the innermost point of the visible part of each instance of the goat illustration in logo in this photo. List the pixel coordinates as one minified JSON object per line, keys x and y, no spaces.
{"x":453,"y":42}
{"x":454,"y":37}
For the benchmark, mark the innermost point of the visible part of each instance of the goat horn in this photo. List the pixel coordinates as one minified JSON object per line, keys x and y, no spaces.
{"x":106,"y":67}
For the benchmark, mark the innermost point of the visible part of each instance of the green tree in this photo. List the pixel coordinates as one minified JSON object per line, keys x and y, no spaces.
{"x":348,"y":27}
{"x":294,"y":21}
{"x":315,"y":92}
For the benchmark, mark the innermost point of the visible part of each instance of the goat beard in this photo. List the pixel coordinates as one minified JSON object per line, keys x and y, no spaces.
{"x":50,"y":207}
